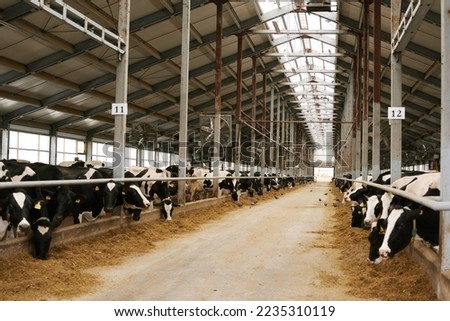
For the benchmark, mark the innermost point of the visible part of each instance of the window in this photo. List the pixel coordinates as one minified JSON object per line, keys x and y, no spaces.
{"x":103,"y":152}
{"x":68,"y":149}
{"x":30,"y":147}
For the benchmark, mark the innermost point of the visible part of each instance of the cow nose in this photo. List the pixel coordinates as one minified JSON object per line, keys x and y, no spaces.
{"x":384,"y":253}
{"x":108,"y":210}
{"x":23,"y":225}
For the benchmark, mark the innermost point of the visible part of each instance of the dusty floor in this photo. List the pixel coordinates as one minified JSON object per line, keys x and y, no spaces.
{"x":287,"y":245}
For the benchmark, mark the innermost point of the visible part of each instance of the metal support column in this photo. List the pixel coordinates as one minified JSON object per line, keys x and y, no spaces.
{"x":237,"y":158}
{"x":184,"y":92}
{"x":271,"y":117}
{"x":444,"y":242}
{"x":396,"y":96}
{"x":218,"y":93}
{"x":283,"y":138}
{"x":277,"y":138}
{"x":5,"y":143}
{"x":262,"y":156}
{"x":53,"y":148}
{"x":253,"y":132}
{"x":376,"y":138}
{"x":365,"y":94}
{"x":120,"y":121}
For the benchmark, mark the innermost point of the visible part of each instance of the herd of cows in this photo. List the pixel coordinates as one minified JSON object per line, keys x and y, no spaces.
{"x":393,"y":221}
{"x":39,"y":208}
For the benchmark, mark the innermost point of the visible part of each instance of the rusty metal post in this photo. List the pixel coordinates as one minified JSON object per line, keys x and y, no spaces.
{"x":253,"y":122}
{"x":237,"y":158}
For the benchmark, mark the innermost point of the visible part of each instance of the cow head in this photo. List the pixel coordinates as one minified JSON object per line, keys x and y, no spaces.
{"x":167,"y":209}
{"x":374,"y":208}
{"x":230,"y":184}
{"x":134,"y":201}
{"x":111,"y":196}
{"x":358,"y":214}
{"x":19,"y":205}
{"x":59,"y":204}
{"x":355,"y":193}
{"x":42,"y":237}
{"x":376,"y":237}
{"x":134,"y":197}
{"x":399,"y":230}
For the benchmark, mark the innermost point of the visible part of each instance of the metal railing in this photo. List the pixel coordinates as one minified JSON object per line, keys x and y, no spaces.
{"x":433,"y":202}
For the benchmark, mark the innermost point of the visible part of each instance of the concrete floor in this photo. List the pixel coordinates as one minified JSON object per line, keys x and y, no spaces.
{"x":278,"y":250}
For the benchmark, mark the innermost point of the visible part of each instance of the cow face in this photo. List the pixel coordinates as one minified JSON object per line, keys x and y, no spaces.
{"x":134,"y":198}
{"x":18,"y":211}
{"x":167,"y":209}
{"x":398,"y":232}
{"x":386,"y":200}
{"x":358,"y":213}
{"x":111,"y":194}
{"x":355,"y":193}
{"x":59,"y":204}
{"x":42,"y":237}
{"x":376,"y":237}
{"x":374,"y":208}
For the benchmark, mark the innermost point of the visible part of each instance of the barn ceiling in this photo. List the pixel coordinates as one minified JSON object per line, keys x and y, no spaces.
{"x":59,"y":80}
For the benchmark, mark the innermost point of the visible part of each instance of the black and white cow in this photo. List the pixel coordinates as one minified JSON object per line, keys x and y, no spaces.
{"x":88,"y":202}
{"x":195,"y":188}
{"x":134,"y":201}
{"x":378,"y":204}
{"x":356,"y":190}
{"x":343,"y":184}
{"x":15,"y":207}
{"x":14,"y":171}
{"x":23,"y":215}
{"x":154,"y":183}
{"x":271,"y":181}
{"x":228,"y":184}
{"x":405,"y":219}
{"x":250,"y":185}
{"x":59,"y":198}
{"x":203,"y":187}
{"x":358,"y":214}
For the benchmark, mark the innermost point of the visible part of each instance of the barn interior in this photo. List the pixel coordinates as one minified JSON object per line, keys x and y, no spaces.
{"x":298,"y":77}
{"x":277,"y":86}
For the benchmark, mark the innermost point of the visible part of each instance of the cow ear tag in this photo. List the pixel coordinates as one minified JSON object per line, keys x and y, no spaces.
{"x":97,"y":189}
{"x":77,"y":201}
{"x":37,"y":205}
{"x":48,"y":197}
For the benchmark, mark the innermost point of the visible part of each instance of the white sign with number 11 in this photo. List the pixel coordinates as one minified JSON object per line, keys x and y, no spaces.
{"x":396,"y":112}
{"x":119,"y":109}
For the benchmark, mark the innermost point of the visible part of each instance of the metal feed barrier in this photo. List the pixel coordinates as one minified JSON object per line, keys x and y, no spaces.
{"x":420,"y":253}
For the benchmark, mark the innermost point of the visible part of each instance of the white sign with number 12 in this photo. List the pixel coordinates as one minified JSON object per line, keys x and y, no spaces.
{"x":396,"y":112}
